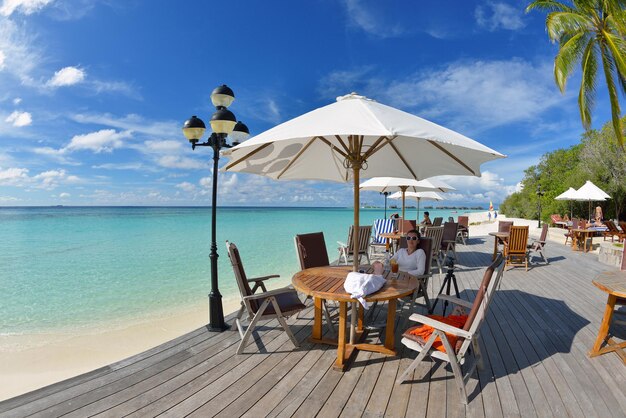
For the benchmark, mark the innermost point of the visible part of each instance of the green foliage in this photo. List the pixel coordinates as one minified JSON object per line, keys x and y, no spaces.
{"x":598,"y":158}
{"x":590,"y":33}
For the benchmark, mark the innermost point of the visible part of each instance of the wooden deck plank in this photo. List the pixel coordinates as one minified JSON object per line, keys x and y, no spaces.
{"x":539,"y":327}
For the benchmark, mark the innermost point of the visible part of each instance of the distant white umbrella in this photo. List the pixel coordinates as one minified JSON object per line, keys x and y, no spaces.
{"x":357,"y":137}
{"x":419,"y":196}
{"x":393,"y":184}
{"x":589,"y":192}
{"x":569,"y":194}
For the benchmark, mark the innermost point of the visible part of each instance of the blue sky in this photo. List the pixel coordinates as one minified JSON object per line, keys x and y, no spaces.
{"x":93,"y":93}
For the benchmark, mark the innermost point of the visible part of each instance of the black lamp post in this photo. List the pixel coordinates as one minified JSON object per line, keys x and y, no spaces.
{"x":386,"y":194}
{"x":223,"y":125}
{"x":539,"y":194}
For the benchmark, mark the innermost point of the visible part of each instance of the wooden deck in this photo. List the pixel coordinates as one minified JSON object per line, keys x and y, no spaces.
{"x":540,"y":326}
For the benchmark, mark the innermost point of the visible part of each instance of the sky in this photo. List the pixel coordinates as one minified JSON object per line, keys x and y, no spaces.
{"x":93,"y":94}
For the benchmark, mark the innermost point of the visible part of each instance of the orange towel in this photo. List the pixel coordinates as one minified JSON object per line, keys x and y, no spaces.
{"x":425,"y":331}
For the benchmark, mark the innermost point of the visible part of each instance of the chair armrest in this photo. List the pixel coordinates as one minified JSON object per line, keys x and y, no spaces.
{"x":269,"y":293}
{"x":457,"y":301}
{"x":341,"y":244}
{"x":262,"y":278}
{"x":440,"y":326}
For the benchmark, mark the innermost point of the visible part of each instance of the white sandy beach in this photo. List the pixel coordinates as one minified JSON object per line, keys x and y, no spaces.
{"x":52,"y":358}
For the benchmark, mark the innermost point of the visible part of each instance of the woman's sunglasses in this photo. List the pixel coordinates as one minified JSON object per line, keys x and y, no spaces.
{"x":411,"y":238}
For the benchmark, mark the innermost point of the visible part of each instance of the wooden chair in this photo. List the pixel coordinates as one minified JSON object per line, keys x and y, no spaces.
{"x":458,"y":356}
{"x":426,"y":244}
{"x":539,"y":245}
{"x":435,"y":233}
{"x":516,"y":248}
{"x":569,"y":234}
{"x":448,"y":239}
{"x":381,"y":226}
{"x":613,"y":232}
{"x":504,"y":226}
{"x":463,"y":229}
{"x":279,"y":303}
{"x":347,"y":250}
{"x":438,"y":221}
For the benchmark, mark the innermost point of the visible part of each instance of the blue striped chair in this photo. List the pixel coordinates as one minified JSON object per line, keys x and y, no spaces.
{"x":381,"y":226}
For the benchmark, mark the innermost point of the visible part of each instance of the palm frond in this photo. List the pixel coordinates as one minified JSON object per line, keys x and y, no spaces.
{"x":609,"y":70}
{"x":569,"y":54}
{"x":560,"y":24}
{"x":616,"y":17}
{"x":587,"y":93}
{"x":617,"y":49}
{"x":547,"y":6}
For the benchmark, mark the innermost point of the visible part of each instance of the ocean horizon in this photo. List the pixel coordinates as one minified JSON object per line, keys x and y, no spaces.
{"x":73,"y":269}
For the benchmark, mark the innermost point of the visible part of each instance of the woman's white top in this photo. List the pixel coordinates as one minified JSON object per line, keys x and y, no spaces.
{"x":414,"y":263}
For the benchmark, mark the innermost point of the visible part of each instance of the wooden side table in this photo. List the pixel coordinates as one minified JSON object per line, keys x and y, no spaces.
{"x":613,"y":283}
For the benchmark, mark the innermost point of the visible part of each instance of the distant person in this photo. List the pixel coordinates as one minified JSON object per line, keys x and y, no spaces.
{"x":566,"y":218}
{"x":489,"y":216}
{"x":411,"y":259}
{"x":598,"y":217}
{"x":426,"y":220}
{"x":394,"y":216}
{"x":495,"y":215}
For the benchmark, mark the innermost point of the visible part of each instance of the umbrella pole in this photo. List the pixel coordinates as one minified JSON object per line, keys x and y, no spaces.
{"x":355,"y":236}
{"x":417,"y":220}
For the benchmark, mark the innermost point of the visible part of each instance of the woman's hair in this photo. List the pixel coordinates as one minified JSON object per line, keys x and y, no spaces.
{"x":426,"y":213}
{"x":416,"y":232}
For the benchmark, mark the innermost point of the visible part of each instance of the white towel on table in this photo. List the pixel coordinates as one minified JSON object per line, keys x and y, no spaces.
{"x":360,"y":285}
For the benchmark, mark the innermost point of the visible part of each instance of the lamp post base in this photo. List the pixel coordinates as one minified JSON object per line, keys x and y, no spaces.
{"x":216,"y":314}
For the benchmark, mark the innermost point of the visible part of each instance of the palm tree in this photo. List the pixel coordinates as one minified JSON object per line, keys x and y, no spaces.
{"x":588,"y":30}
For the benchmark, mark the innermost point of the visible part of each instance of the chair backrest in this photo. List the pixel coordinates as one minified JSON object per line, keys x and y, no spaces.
{"x":449,"y":232}
{"x":505,"y":226}
{"x":240,"y":274}
{"x":556,"y":218}
{"x":426,"y":244}
{"x":383,"y":226}
{"x":407,"y":225}
{"x":364,"y":239}
{"x":611,"y":226}
{"x":463,"y":221}
{"x":311,"y":250}
{"x":438,"y":221}
{"x":582,"y":224}
{"x":622,"y":225}
{"x":485,"y":292}
{"x":544,"y":232}
{"x":435,"y":233}
{"x":518,"y":240}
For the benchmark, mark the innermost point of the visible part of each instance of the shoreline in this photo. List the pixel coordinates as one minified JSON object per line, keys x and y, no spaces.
{"x":32,"y":361}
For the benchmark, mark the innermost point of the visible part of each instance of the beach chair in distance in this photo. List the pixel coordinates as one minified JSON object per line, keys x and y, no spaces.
{"x":435,"y":233}
{"x":613,"y":232}
{"x":347,"y":250}
{"x":557,"y":221}
{"x":278,"y":303}
{"x":516,"y":247}
{"x":539,"y":245}
{"x":463,"y":229}
{"x":569,"y":234}
{"x":381,"y":226}
{"x":504,"y":226}
{"x":448,"y":239}
{"x":465,"y":354}
{"x":438,"y":221}
{"x":311,"y":251}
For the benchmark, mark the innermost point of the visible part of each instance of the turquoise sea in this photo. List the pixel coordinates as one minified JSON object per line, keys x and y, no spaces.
{"x":73,"y":268}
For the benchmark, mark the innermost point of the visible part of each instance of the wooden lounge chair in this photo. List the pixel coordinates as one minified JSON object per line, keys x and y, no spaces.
{"x":438,"y":221}
{"x":458,"y":356}
{"x":426,"y":244}
{"x":516,"y":248}
{"x":463,"y":229}
{"x":435,"y":233}
{"x":569,"y":234}
{"x":347,"y":250}
{"x":557,"y":221}
{"x":612,"y":231}
{"x":279,"y":303}
{"x":539,"y":245}
{"x":448,"y":240}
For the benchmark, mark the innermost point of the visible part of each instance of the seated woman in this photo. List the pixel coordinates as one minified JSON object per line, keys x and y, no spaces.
{"x":411,"y":259}
{"x":598,"y":217}
{"x":426,"y":220}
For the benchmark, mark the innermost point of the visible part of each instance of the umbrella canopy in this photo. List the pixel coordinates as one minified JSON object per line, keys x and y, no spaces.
{"x":392,"y":184}
{"x":589,"y":192}
{"x":569,"y":194}
{"x":419,"y":196}
{"x":357,"y":136}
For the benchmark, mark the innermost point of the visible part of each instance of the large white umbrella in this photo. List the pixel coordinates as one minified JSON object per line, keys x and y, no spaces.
{"x":419,"y":196}
{"x":569,"y":194}
{"x":357,"y":136}
{"x":392,"y":184}
{"x":589,"y":192}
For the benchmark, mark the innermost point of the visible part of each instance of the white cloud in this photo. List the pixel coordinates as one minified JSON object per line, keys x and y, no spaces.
{"x":133,"y":122}
{"x":19,"y":119}
{"x":26,"y":7}
{"x":163,"y":146}
{"x":67,"y":76}
{"x":17,"y":101}
{"x":3,"y":57}
{"x":105,"y":140}
{"x":13,"y":176}
{"x":52,"y":178}
{"x":186,"y":186}
{"x":64,"y":195}
{"x":175,"y":161}
{"x":369,"y":17}
{"x":493,"y":16}
{"x":21,"y":57}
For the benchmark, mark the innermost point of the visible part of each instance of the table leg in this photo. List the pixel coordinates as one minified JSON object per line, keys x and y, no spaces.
{"x":353,"y":322}
{"x":361,"y":318}
{"x":604,"y":327}
{"x":341,"y":346}
{"x":495,"y":248}
{"x":317,"y":319}
{"x":390,"y":332}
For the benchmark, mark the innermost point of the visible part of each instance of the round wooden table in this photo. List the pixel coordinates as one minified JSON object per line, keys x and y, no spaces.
{"x":326,"y":283}
{"x":499,"y":236}
{"x":613,"y":283}
{"x":580,"y":237}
